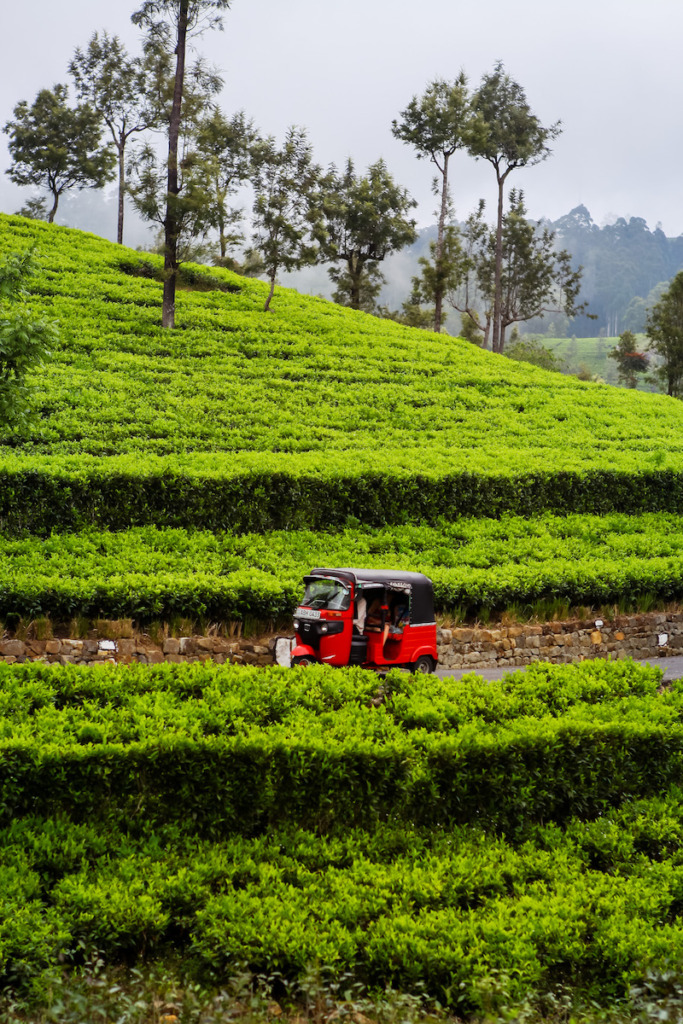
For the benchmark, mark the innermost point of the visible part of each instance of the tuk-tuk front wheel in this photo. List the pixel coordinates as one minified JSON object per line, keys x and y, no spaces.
{"x":304,"y":659}
{"x":423,"y":665}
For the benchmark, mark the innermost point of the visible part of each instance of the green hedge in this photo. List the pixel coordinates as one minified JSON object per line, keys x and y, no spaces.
{"x":454,"y":913}
{"x":462,"y":839}
{"x":149,"y":573}
{"x":435,"y":752}
{"x":40,"y":501}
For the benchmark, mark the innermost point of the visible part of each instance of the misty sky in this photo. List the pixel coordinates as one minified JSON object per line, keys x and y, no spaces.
{"x":609,"y":69}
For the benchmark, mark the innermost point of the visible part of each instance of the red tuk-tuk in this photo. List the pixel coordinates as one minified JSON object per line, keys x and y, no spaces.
{"x":366,"y":617}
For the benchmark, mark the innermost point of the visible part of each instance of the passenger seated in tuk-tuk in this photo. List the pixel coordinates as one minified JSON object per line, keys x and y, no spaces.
{"x":360,"y":614}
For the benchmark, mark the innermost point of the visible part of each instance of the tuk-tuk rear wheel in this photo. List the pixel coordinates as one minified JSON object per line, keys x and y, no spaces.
{"x":303,"y":659}
{"x":423,"y":665}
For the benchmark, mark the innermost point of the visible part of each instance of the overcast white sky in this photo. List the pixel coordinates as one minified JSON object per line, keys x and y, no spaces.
{"x":611,"y":70}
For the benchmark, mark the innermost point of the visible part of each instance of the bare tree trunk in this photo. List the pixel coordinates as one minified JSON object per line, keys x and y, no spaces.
{"x":171,"y":226}
{"x":496,"y":345}
{"x":355,"y":290}
{"x":266,"y":308}
{"x":222,"y":241}
{"x":53,"y":211}
{"x":221,"y":236}
{"x":438,"y":254}
{"x":122,"y":190}
{"x":355,"y":274}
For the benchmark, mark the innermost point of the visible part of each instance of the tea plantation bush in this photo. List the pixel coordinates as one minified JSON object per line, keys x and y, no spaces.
{"x":302,"y":417}
{"x":434,"y":839}
{"x":278,"y":820}
{"x":150,"y":573}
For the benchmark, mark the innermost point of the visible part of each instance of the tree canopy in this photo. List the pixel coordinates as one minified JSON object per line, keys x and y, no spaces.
{"x":57,"y":147}
{"x":665,"y":331}
{"x":508,"y":135}
{"x":437,"y":124}
{"x":175,"y":21}
{"x":286,"y":211}
{"x":365,"y":218}
{"x":117,"y":86}
{"x":630,"y":362}
{"x":225,"y":148}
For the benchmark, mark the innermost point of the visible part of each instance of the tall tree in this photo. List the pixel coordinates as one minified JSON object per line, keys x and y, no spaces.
{"x":225,"y":152}
{"x":471,"y":288}
{"x":365,"y":220}
{"x":192,"y":206}
{"x":57,"y":147}
{"x":508,"y":135}
{"x":117,"y":86}
{"x":286,"y":208}
{"x":193,"y":214}
{"x":182,"y":19}
{"x":437,"y":124}
{"x":440,"y":273}
{"x":536,"y":278}
{"x":665,"y":331}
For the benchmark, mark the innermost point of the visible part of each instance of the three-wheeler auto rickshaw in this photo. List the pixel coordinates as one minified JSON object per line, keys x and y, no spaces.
{"x":374,"y":618}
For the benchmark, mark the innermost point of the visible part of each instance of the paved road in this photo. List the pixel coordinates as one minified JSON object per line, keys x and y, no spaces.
{"x":672,"y":668}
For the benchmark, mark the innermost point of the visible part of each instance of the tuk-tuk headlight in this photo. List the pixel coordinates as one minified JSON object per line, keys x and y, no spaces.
{"x":296,"y":625}
{"x":323,"y":628}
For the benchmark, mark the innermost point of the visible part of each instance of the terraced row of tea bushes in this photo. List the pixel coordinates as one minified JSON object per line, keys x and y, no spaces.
{"x":589,"y":737}
{"x":254,"y":493}
{"x":140,"y":703}
{"x":593,"y":906}
{"x":158,"y":813}
{"x":149,"y":573}
{"x":241,"y":419}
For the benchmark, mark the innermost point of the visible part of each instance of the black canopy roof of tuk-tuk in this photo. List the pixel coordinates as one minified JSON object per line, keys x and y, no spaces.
{"x":419,"y":585}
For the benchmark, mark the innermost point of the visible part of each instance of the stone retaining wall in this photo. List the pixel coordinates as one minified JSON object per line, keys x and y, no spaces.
{"x":141,"y":650}
{"x":652,"y":635}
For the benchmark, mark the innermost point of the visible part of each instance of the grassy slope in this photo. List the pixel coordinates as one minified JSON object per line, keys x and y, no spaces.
{"x":309,"y":388}
{"x":316,"y":390}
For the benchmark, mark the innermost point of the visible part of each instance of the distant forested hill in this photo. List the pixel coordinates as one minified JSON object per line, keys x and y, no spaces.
{"x":623,"y":263}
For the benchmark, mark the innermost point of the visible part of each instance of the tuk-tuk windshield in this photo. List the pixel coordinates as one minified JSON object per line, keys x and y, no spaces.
{"x":326,"y":593}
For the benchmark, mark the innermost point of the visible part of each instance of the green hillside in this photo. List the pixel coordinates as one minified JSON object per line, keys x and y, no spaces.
{"x":308,"y":392}
{"x":497,"y":847}
{"x":233,"y":452}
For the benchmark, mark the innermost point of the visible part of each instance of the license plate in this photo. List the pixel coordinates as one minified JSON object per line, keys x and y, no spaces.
{"x":307,"y":613}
